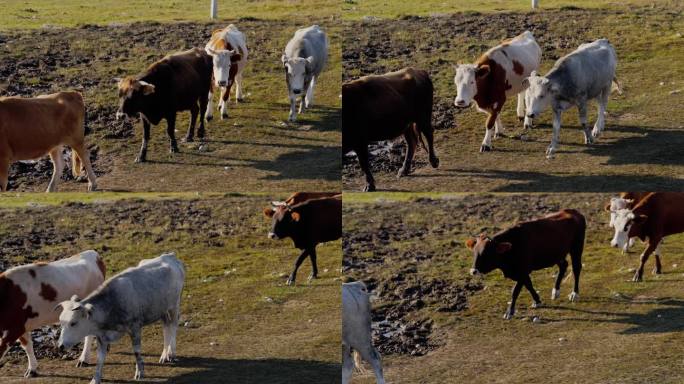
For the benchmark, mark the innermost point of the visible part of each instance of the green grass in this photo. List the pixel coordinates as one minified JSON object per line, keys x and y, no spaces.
{"x":355,"y":9}
{"x":234,"y":297}
{"x":640,"y":145}
{"x":619,"y":331}
{"x":69,"y":13}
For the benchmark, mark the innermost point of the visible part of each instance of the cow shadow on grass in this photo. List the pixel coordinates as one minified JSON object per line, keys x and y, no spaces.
{"x":213,"y":370}
{"x":645,"y":145}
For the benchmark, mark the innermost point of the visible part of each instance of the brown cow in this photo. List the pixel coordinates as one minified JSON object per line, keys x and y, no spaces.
{"x":33,"y":127}
{"x":300,"y":197}
{"x":657,"y":215}
{"x":530,"y":246}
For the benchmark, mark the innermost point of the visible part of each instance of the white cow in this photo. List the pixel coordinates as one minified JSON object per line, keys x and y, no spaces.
{"x":306,"y":54}
{"x":125,"y":303}
{"x":28,"y":295}
{"x":228,"y":49}
{"x":356,"y":331}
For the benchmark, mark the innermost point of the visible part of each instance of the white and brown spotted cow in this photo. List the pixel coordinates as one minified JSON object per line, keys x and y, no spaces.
{"x":228,"y":48}
{"x":495,"y":76}
{"x":29,"y":294}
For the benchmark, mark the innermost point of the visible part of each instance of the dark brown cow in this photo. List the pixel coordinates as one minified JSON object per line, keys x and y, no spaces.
{"x":307,"y":224}
{"x":178,"y":82}
{"x":530,"y":246}
{"x":383,"y":107}
{"x":657,"y":215}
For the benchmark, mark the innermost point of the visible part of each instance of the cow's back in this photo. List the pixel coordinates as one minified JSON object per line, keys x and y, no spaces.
{"x":512,"y":61}
{"x":587,"y":71}
{"x":31,"y":127}
{"x":665,"y":211}
{"x":321,"y":219}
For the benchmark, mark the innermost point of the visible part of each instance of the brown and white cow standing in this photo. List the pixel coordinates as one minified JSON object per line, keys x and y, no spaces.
{"x":495,"y":76}
{"x":33,"y":127}
{"x":626,"y":200}
{"x":228,"y":49}
{"x":657,"y":215}
{"x":29,"y":294}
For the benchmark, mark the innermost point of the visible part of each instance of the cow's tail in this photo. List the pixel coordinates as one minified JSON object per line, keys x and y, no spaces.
{"x":358,"y":364}
{"x":75,"y":164}
{"x":616,"y":86}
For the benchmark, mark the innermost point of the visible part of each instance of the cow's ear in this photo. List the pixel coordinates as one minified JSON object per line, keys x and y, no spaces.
{"x":482,"y":71}
{"x":75,"y":298}
{"x":88,"y":310}
{"x":210,"y":51}
{"x":309,"y":63}
{"x":503,"y":247}
{"x":295,"y":216}
{"x":640,"y":218}
{"x":59,"y":307}
{"x":147,"y":88}
{"x":470,"y":243}
{"x":526,"y":83}
{"x":236,"y":57}
{"x":268,"y":212}
{"x":607,"y":207}
{"x":533,"y":73}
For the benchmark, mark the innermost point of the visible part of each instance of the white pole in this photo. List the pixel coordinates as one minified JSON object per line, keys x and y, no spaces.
{"x":535,"y":3}
{"x":214,"y":8}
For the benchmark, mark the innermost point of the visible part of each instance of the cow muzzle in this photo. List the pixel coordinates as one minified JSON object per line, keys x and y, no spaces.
{"x":120,"y":115}
{"x":272,"y":236}
{"x":474,"y":272}
{"x":531,"y":115}
{"x":460,"y":103}
{"x":296,"y":91}
{"x":222,"y":83}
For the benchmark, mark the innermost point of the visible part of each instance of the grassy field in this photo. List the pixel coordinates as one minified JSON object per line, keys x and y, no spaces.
{"x":354,"y":9}
{"x":640,"y":148}
{"x":253,"y":150}
{"x":244,"y":324}
{"x":38,"y":13}
{"x":619,"y":331}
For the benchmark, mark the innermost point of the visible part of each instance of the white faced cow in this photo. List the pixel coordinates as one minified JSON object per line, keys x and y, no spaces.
{"x":356,"y":331}
{"x":497,"y":75}
{"x":304,"y":59}
{"x":585,"y":74}
{"x":125,"y":303}
{"x":228,"y":49}
{"x":28,"y":295}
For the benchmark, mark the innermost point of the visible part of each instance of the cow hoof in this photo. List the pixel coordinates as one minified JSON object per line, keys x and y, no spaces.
{"x":555,"y":293}
{"x":550,"y":153}
{"x":508,"y":315}
{"x":434,"y":162}
{"x":537,"y":304}
{"x":140,"y":159}
{"x":573,"y":297}
{"x":312,"y":277}
{"x":637,"y":278}
{"x":657,"y":271}
{"x":92,"y":187}
{"x":174,"y":149}
{"x":30,"y":373}
{"x":485,"y":148}
{"x":81,"y":364}
{"x":94,"y":381}
{"x":402,"y":172}
{"x":290,"y":281}
{"x":239,"y":99}
{"x":224,"y":116}
{"x":369,"y":188}
{"x":139,"y":376}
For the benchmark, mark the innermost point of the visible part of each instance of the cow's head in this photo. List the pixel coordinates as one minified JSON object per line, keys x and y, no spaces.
{"x":297,"y":71}
{"x":224,"y":70}
{"x":284,"y":220}
{"x":76,"y":322}
{"x":616,"y":204}
{"x":538,"y":95}
{"x":465,"y":80}
{"x":487,"y":253}
{"x":132,"y":93}
{"x":627,"y":224}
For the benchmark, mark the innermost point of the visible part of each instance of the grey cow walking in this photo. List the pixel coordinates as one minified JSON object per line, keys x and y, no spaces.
{"x":305,"y":57}
{"x":125,"y":303}
{"x":585,"y":74}
{"x":356,"y":331}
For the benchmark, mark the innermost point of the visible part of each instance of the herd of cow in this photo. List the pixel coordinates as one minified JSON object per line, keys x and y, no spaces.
{"x":73,"y":291}
{"x":530,"y":246}
{"x":384,"y":107}
{"x":33,"y":127}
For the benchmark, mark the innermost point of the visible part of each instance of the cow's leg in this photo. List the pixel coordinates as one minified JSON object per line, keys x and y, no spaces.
{"x":225,"y":98}
{"x":309,"y":93}
{"x":514,"y":296}
{"x":4,"y":173}
{"x":238,"y":88}
{"x":293,"y":276}
{"x":190,"y":135}
{"x":428,"y":132}
{"x":601,"y":118}
{"x":652,"y":245}
{"x":139,"y":364}
{"x":209,"y":115}
{"x":576,"y":259}
{"x":562,"y":268}
{"x":27,"y":344}
{"x":556,"y":134}
{"x":314,"y":265}
{"x":164,"y":358}
{"x":293,"y":112}
{"x":489,"y":131}
{"x":520,"y":109}
{"x":582,"y":110}
{"x":658,"y":265}
{"x":85,"y":354}
{"x":84,"y":154}
{"x":173,"y":329}
{"x":347,"y":363}
{"x":411,"y":142}
{"x":142,"y":155}
{"x":102,"y":348}
{"x":171,"y":132}
{"x":498,"y":127}
{"x":58,"y":166}
{"x":362,"y":154}
{"x":372,"y":356}
{"x":527,"y":282}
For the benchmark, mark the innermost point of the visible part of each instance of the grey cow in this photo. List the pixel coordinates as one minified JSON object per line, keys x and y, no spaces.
{"x":356,"y":331}
{"x":304,"y":59}
{"x":585,"y":74}
{"x":123,"y":305}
